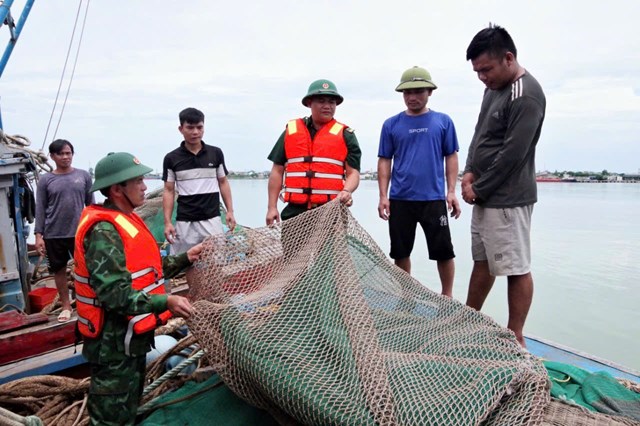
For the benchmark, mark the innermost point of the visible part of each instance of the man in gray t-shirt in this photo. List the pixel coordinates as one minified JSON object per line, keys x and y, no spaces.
{"x":60,"y":197}
{"x":499,"y":176}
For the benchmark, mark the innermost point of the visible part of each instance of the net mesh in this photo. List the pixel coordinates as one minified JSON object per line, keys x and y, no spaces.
{"x":309,"y":320}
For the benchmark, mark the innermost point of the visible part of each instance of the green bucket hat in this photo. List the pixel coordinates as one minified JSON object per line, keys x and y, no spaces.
{"x":415,"y":78}
{"x":322,"y":88}
{"x":117,"y":167}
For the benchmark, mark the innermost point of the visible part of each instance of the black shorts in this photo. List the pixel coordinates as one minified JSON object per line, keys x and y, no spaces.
{"x":432,"y":217}
{"x":59,"y":251}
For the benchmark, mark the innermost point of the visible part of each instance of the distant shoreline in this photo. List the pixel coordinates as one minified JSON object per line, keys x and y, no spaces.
{"x":588,"y":181}
{"x":237,"y":177}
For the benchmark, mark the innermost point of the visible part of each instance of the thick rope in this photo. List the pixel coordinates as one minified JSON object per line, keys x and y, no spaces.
{"x":19,"y":142}
{"x":11,"y":419}
{"x":173,"y":372}
{"x":151,"y":405}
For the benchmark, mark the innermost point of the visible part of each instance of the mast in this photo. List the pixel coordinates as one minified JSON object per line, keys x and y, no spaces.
{"x":14,"y":30}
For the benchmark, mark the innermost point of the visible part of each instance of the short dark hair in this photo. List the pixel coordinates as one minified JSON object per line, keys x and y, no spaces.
{"x":191,"y":116}
{"x":58,"y":145}
{"x":493,"y":40}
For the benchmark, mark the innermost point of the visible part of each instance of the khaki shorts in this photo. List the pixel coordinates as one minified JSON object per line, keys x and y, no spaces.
{"x":502,"y":238}
{"x":188,"y":234}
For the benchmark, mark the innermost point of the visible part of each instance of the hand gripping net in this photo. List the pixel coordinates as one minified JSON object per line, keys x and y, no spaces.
{"x":310,"y":321}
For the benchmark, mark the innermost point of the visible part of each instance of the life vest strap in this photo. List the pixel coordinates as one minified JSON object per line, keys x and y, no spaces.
{"x":312,"y":174}
{"x":310,"y":159}
{"x":310,"y":191}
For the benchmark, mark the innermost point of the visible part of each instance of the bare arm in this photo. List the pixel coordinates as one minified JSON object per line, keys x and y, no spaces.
{"x":225,"y":192}
{"x":274,"y":187}
{"x":41,"y":204}
{"x":350,"y":184}
{"x":168,"y":197}
{"x":384,"y":176}
{"x":451,"y":174}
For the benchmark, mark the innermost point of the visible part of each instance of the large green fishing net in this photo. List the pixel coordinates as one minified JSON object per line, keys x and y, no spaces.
{"x":310,"y":321}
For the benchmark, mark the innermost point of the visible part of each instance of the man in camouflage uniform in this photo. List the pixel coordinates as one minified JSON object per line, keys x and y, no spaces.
{"x":117,"y":378}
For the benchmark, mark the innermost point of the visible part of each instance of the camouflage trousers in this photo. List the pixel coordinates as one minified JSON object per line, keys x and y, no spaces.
{"x":115,"y":391}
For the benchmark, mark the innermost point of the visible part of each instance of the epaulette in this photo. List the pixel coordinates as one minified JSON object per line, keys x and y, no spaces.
{"x":350,"y":130}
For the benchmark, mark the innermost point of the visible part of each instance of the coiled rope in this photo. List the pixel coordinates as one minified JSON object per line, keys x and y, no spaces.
{"x":19,"y":142}
{"x":54,"y":400}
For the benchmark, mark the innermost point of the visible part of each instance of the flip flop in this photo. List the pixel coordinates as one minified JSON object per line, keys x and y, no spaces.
{"x":64,"y":316}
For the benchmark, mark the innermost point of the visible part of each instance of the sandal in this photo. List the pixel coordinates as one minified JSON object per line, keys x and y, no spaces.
{"x":64,"y":316}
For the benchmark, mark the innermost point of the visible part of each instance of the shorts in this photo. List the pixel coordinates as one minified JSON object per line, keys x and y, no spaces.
{"x":501,"y":237}
{"x":432,"y":217}
{"x":59,"y":252}
{"x":188,"y":234}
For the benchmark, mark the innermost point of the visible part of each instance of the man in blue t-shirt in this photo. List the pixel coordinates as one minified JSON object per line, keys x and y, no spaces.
{"x":423,"y":147}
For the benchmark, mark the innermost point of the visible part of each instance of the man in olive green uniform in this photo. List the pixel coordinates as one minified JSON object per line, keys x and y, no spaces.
{"x":117,"y":378}
{"x":322,"y":98}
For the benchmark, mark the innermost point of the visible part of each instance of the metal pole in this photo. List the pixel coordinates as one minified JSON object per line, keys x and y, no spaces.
{"x":5,"y":7}
{"x":4,"y":12}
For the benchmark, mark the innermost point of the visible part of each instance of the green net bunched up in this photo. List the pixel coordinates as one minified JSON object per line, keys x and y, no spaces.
{"x":310,"y":321}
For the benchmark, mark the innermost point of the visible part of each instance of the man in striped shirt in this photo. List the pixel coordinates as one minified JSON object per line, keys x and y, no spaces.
{"x":197,"y":173}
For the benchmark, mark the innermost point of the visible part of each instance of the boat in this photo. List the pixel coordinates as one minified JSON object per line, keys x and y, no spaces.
{"x":547,"y":178}
{"x":35,"y":344}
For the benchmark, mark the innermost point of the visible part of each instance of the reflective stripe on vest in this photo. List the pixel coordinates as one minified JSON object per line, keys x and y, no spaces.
{"x":292,"y":127}
{"x":130,"y":331}
{"x":314,"y":160}
{"x":148,"y":289}
{"x":312,"y":174}
{"x":88,"y":300}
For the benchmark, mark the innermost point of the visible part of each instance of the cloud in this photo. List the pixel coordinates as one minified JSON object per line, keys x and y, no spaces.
{"x":247,"y":65}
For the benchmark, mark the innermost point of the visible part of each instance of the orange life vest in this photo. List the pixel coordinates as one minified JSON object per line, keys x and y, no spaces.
{"x":314,"y":172}
{"x":142,"y":260}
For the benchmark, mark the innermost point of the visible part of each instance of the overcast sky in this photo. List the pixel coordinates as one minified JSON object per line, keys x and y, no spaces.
{"x":246,"y":65}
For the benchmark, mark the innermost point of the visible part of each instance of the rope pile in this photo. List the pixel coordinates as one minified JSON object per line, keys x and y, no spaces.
{"x":58,"y":400}
{"x":55,"y":400}
{"x":20,"y":143}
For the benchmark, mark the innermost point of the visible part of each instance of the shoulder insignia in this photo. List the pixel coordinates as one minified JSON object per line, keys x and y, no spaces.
{"x":350,"y":130}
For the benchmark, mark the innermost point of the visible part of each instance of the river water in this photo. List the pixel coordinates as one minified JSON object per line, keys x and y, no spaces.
{"x":585,"y":252}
